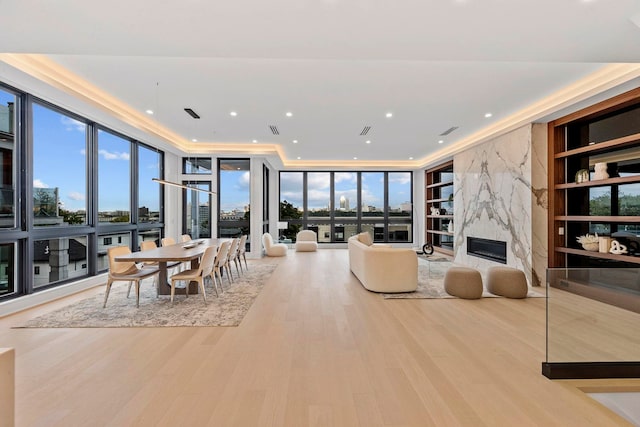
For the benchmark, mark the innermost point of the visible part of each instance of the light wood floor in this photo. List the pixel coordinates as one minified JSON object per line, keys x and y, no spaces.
{"x":316,"y":349}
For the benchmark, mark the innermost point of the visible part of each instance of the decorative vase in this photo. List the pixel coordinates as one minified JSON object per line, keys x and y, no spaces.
{"x":604,"y":244}
{"x":582,"y":176}
{"x":600,"y":171}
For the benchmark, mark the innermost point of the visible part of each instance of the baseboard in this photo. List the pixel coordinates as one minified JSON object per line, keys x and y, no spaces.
{"x":590,"y":370}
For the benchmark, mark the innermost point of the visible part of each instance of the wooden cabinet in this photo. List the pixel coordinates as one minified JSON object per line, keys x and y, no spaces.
{"x":605,"y":136}
{"x":439,"y":207}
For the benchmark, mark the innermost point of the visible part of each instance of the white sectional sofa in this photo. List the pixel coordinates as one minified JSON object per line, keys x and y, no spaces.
{"x":382,"y":268}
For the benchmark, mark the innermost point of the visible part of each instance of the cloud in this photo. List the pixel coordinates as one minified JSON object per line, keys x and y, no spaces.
{"x":107,"y":155}
{"x":245,"y":180}
{"x":345,"y":177}
{"x":74,"y":195}
{"x":72,"y":124}
{"x":400,"y":178}
{"x":39,"y":184}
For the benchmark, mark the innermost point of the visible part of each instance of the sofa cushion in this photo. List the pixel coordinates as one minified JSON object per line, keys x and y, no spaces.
{"x":365,"y":238}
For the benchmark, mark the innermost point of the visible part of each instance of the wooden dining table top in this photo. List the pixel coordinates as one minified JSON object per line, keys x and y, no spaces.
{"x":177,"y":252}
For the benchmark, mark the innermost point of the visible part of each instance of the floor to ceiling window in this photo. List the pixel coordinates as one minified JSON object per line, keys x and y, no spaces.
{"x":196,"y":209}
{"x":234,"y":197}
{"x":59,"y":168}
{"x":7,"y":191}
{"x":337,"y":205}
{"x":77,"y":190}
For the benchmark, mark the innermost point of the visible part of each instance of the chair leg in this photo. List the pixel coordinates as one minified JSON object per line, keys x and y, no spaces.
{"x":238,"y":260}
{"x":245,"y":261}
{"x":204,"y":294}
{"x":173,"y":289}
{"x":106,"y":295}
{"x":235,"y":261}
{"x":186,"y":288}
{"x":129,"y":288}
{"x":220,"y":279}
{"x":213,"y":282}
{"x":229,"y":276}
{"x":137,"y":294}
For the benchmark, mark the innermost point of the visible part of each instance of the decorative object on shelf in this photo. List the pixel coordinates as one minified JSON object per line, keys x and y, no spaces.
{"x":435,"y":211}
{"x":582,"y":176}
{"x":617,"y":248}
{"x":450,"y":228}
{"x":600,"y":171}
{"x":589,"y":242}
{"x":605,"y":244}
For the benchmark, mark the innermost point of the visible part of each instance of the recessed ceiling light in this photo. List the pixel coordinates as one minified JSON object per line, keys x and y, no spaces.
{"x":441,"y":141}
{"x":410,"y":158}
{"x":150,"y":112}
{"x":255,"y":141}
{"x":355,"y":158}
{"x":295,"y":141}
{"x":388,"y":115}
{"x":233,"y":113}
{"x":288,"y":114}
{"x":368,"y":141}
{"x":299,"y":157}
{"x":487,"y":115}
{"x":194,"y":140}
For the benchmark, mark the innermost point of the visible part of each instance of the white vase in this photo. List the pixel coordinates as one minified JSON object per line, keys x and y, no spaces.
{"x":600,"y":171}
{"x":604,"y":244}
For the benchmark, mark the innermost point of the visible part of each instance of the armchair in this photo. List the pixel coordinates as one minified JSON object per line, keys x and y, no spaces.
{"x":273,"y":249}
{"x":306,"y":241}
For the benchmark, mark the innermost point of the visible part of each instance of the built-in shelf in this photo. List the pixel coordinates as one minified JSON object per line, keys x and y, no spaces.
{"x":606,"y":132}
{"x":439,"y":184}
{"x":599,"y":182}
{"x":443,"y":233}
{"x":602,"y":255}
{"x":602,"y":147}
{"x":438,"y":195}
{"x":597,"y":218}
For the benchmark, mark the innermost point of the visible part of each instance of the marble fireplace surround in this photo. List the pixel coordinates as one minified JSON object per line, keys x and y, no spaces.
{"x":500,"y":194}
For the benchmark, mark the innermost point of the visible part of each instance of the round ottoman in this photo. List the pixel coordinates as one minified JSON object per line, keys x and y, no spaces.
{"x":507,"y":282}
{"x":463,"y":282}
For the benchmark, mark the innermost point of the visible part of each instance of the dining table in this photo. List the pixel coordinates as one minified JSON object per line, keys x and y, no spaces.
{"x":190,"y":251}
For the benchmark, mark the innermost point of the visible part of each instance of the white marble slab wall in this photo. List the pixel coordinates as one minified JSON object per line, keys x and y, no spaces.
{"x":493,"y":200}
{"x":539,"y":203}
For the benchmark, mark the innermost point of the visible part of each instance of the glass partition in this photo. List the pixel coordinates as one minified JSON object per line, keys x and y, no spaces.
{"x":593,"y":316}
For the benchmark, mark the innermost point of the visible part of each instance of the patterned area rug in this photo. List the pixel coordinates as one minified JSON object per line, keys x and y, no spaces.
{"x":431,"y":282}
{"x":226,"y":310}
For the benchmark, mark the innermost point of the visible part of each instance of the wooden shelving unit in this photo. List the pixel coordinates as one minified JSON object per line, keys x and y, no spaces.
{"x":439,"y":195}
{"x":607,"y":132}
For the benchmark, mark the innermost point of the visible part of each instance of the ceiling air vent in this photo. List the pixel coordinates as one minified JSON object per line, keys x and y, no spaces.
{"x":448,"y":131}
{"x":365,"y":130}
{"x":192,"y":113}
{"x":274,"y":130}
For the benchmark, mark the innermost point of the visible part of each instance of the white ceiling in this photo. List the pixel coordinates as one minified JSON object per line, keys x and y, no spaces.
{"x":337,"y":65}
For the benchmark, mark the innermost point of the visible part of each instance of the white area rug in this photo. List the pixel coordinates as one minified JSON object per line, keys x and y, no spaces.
{"x":226,"y":310}
{"x":431,"y":283}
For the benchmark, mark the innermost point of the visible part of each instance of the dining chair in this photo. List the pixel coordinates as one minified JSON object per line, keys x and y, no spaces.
{"x":221,"y":262}
{"x":242,"y":248}
{"x":125,"y":271}
{"x":232,"y":257}
{"x":147,"y":245}
{"x":204,"y":270}
{"x":185,"y":238}
{"x":167,"y":241}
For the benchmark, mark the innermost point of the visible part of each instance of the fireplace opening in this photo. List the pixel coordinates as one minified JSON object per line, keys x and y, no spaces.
{"x":493,"y":250}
